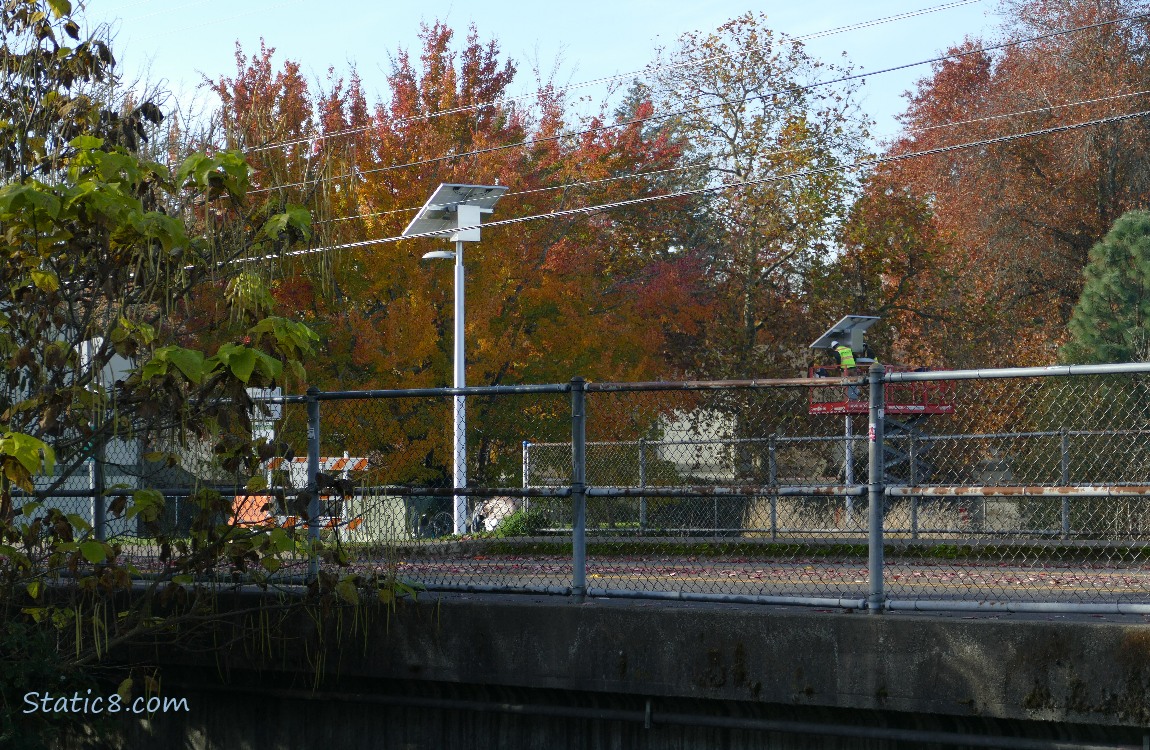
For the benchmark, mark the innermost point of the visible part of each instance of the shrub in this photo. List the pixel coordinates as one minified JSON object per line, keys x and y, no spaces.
{"x":523,"y":522}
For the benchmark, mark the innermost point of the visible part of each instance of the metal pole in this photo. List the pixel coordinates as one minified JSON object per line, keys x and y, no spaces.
{"x":459,"y":463}
{"x":773,"y":469}
{"x":875,"y":444}
{"x":526,"y":471}
{"x":849,"y":468}
{"x":913,"y":458}
{"x":99,"y":502}
{"x":313,"y":508}
{"x":1065,"y":482}
{"x":642,"y":483}
{"x":578,"y":490}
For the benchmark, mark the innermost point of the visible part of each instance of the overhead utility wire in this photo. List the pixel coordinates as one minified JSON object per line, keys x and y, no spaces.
{"x":860,"y":164}
{"x":608,"y":79}
{"x":1036,"y":110}
{"x":639,"y":120}
{"x":564,"y":186}
{"x":703,"y":163}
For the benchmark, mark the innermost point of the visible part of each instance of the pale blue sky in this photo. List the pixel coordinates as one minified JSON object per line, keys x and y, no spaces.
{"x":591,"y":39}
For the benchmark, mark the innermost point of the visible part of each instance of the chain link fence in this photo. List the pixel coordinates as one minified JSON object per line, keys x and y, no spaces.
{"x":1033,"y":490}
{"x":1019,"y":488}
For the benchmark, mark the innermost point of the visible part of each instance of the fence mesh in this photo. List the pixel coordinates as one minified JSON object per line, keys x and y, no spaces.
{"x":400,"y":448}
{"x":727,"y":529}
{"x":1062,"y":516}
{"x":1004,"y":490}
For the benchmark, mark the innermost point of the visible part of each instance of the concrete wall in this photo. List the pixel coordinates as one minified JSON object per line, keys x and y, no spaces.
{"x":1076,"y":678}
{"x":421,"y":716}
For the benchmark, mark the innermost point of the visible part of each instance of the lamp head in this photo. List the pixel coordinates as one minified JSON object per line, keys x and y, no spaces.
{"x":439,"y":254}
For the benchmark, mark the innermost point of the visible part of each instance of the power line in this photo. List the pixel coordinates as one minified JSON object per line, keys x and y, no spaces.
{"x":703,"y":163}
{"x":564,"y":186}
{"x":640,"y":120}
{"x":1048,"y":108}
{"x":608,"y":79}
{"x":584,"y":210}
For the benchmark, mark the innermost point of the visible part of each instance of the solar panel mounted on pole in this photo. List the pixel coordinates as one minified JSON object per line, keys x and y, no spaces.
{"x":455,"y":212}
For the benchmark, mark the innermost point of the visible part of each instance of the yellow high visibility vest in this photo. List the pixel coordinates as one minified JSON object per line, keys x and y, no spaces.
{"x":846,"y":356}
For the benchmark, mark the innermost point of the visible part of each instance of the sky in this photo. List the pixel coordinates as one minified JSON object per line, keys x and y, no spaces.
{"x":177,"y":42}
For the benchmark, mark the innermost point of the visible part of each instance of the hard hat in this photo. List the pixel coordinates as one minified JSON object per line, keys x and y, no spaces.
{"x":834,"y":344}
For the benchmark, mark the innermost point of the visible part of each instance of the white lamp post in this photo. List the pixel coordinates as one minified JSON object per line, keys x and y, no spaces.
{"x":457,"y":211}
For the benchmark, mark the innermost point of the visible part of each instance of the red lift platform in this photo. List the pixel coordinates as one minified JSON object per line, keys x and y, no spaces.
{"x":906,"y":399}
{"x":901,"y":398}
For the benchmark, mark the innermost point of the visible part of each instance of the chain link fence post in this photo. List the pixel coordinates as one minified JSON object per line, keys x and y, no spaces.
{"x":526,"y":472}
{"x":97,"y":482}
{"x":578,"y":489}
{"x":875,"y":444}
{"x":313,"y":508}
{"x":1065,"y":479}
{"x":643,"y":484}
{"x":773,"y":479}
{"x":912,"y":457}
{"x":848,"y":465}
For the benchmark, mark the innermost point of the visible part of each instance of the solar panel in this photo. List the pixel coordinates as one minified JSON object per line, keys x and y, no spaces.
{"x":453,"y":206}
{"x":847,"y":331}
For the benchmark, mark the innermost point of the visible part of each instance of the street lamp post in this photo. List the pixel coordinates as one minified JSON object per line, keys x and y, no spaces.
{"x":457,"y":212}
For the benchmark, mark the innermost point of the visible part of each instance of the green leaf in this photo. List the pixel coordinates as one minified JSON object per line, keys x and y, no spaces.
{"x":33,"y":454}
{"x":269,"y":367}
{"x":36,"y":613}
{"x":44,"y":280}
{"x":35,"y":588}
{"x":270,"y":564}
{"x":79,"y":522}
{"x":347,"y":591}
{"x":258,"y":483}
{"x":404,"y":589}
{"x":281,"y":540}
{"x":242,"y":363}
{"x":193,"y":165}
{"x":60,"y":8}
{"x":297,"y":370}
{"x":15,"y":557}
{"x":15,"y":197}
{"x":86,"y":142}
{"x":147,"y":504}
{"x":300,"y":218}
{"x":93,"y":552}
{"x":275,"y":225}
{"x":188,"y":361}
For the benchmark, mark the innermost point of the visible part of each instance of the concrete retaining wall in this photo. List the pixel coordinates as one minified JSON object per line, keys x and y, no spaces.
{"x":1044,"y":676}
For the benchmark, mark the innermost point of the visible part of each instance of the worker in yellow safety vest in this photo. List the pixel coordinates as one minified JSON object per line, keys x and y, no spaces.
{"x":846,"y":357}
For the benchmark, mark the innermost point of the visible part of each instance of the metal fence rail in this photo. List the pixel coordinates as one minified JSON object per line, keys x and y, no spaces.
{"x":1030,"y":490}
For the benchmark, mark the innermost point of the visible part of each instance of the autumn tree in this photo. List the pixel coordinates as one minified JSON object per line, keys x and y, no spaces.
{"x":777,"y":146}
{"x":1022,"y":215}
{"x":603,"y":294}
{"x":886,"y":251}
